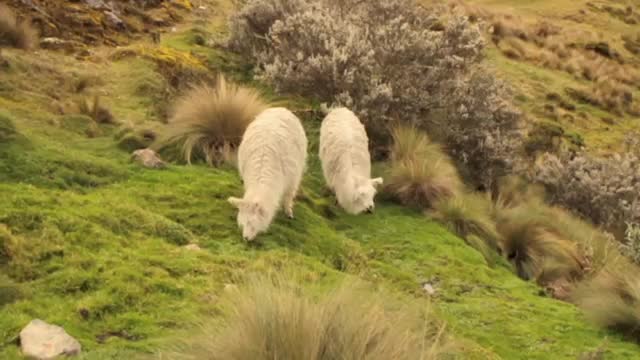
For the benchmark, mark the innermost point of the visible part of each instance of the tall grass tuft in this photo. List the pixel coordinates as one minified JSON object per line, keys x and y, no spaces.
{"x":544,"y":243}
{"x":612,"y":300}
{"x":469,"y":216}
{"x":208,"y":122}
{"x":19,"y":34}
{"x":419,"y":174}
{"x":277,"y":321}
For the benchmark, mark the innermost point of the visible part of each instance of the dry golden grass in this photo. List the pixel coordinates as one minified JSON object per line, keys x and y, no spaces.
{"x":537,"y":248}
{"x":611,"y":299}
{"x":469,"y":216}
{"x":96,"y":110}
{"x":419,"y":174}
{"x":513,"y":191}
{"x":19,"y":34}
{"x":550,"y":46}
{"x":275,"y":320}
{"x":208,"y":122}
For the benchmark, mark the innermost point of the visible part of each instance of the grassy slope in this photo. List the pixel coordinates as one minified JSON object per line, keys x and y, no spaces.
{"x":533,"y":82}
{"x":97,"y":240}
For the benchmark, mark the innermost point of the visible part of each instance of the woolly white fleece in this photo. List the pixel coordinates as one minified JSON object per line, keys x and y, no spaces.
{"x":346,"y":162}
{"x":271,"y":161}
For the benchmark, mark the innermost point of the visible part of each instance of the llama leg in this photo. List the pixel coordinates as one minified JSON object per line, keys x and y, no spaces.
{"x":289,"y":199}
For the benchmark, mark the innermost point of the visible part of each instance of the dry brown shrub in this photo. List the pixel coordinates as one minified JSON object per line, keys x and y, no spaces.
{"x":17,"y":33}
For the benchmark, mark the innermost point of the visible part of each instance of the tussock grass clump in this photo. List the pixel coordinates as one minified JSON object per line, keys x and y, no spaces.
{"x":545,"y":243}
{"x":612,"y":300}
{"x":538,"y":248}
{"x":512,"y":191}
{"x":419,"y":174}
{"x":19,"y":34}
{"x":469,"y":216}
{"x":208,"y":122}
{"x":7,"y":128}
{"x":278,"y":322}
{"x":96,"y":110}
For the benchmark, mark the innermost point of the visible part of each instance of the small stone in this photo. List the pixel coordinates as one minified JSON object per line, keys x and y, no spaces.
{"x":114,"y":20}
{"x":148,"y":158}
{"x":96,"y":4}
{"x":40,"y":340}
{"x":429,"y":289}
{"x":230,"y":288}
{"x":192,"y":247}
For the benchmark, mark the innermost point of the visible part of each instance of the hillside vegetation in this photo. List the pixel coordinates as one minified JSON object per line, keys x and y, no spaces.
{"x":95,"y":243}
{"x":574,"y":64}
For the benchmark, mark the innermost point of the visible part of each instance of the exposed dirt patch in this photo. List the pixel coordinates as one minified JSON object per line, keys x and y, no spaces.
{"x":96,"y":22}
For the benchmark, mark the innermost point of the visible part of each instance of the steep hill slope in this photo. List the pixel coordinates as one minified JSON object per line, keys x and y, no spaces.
{"x":575,"y":65}
{"x":94,"y":243}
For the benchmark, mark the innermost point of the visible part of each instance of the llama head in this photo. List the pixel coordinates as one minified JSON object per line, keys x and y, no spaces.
{"x":364,"y":195}
{"x":252,"y":217}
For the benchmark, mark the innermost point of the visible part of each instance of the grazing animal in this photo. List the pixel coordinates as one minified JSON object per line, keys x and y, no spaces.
{"x":346,"y":162}
{"x":271,"y":160}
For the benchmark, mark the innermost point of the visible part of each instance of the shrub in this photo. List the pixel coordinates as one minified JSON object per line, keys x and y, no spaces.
{"x":604,"y":190}
{"x":419,"y":173}
{"x":469,"y":216}
{"x":278,"y":322}
{"x":631,"y":245}
{"x":208,"y":122}
{"x":19,"y":34}
{"x":412,"y":68}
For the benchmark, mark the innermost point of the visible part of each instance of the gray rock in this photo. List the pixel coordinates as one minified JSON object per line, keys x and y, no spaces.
{"x":40,"y":340}
{"x":148,"y":158}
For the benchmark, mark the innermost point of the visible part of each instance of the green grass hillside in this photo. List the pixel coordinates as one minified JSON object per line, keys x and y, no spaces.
{"x":96,"y":244}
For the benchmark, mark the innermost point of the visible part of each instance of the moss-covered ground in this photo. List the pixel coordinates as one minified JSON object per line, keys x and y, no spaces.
{"x":94,"y":243}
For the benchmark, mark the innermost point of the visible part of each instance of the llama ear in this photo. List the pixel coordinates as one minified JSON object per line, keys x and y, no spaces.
{"x":376,"y":182}
{"x":235,"y":201}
